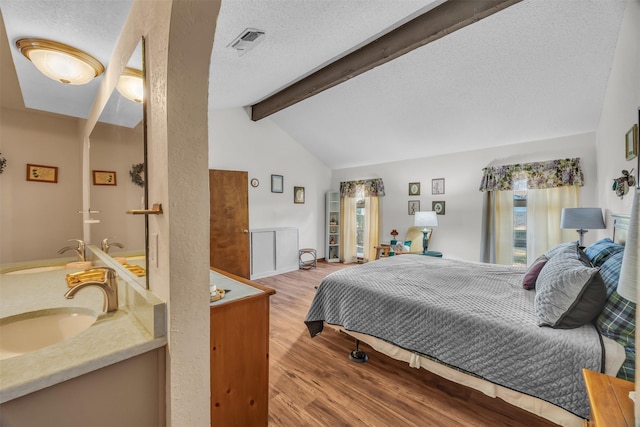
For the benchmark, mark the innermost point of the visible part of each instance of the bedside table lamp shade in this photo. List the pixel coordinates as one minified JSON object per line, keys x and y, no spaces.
{"x":425,"y":219}
{"x":629,"y":276}
{"x":582,"y":219}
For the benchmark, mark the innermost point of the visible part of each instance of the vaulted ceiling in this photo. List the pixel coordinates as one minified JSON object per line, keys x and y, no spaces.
{"x":536,"y":70}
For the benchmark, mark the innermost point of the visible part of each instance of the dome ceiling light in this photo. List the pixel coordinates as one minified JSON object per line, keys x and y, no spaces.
{"x":130,"y":85}
{"x":61,"y":62}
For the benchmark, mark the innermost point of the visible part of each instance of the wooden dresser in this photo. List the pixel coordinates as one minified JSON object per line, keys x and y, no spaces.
{"x":609,"y":399}
{"x":239,"y":343}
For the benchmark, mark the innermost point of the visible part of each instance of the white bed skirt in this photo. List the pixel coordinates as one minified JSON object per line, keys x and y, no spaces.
{"x":614,"y":358}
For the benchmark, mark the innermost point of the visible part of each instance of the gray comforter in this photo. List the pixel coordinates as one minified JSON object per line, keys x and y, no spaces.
{"x":473,"y":316}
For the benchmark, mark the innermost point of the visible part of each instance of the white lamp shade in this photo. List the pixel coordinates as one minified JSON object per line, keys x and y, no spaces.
{"x":425,"y":219}
{"x":62,"y":67}
{"x":628,"y":283}
{"x":130,"y":85}
{"x":582,"y":218}
{"x":60,"y":62}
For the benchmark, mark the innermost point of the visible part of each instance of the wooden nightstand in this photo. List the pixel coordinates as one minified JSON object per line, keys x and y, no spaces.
{"x":611,"y":405}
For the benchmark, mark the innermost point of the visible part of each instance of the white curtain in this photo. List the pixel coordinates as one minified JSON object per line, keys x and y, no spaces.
{"x":370,"y":228}
{"x":544,"y":210}
{"x":349,"y":229}
{"x":504,"y":227}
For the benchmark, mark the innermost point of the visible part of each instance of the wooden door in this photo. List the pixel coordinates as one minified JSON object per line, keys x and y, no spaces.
{"x":229,"y":222}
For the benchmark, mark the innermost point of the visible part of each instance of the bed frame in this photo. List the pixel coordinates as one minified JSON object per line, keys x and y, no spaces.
{"x":531,"y":404}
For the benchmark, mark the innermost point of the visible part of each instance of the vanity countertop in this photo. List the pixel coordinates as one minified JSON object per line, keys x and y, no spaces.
{"x":235,"y":287}
{"x":114,"y":337}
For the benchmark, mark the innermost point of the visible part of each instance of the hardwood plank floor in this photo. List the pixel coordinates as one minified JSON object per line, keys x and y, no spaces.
{"x":313,"y":382}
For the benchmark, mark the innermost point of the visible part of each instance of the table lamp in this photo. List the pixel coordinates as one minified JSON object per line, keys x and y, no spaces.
{"x":582,"y":219}
{"x":629,"y":271}
{"x":425,"y":219}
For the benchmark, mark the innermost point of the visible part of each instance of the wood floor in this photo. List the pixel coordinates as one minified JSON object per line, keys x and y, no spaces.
{"x":313,"y":382}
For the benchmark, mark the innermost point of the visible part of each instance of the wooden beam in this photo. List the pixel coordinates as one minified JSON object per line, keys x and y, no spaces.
{"x":432,"y":25}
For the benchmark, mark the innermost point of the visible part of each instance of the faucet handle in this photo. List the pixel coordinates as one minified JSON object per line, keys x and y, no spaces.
{"x":80,"y":242}
{"x":105,"y":244}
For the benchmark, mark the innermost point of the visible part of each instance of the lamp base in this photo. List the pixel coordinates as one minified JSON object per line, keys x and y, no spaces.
{"x":581,"y":233}
{"x":425,"y":241}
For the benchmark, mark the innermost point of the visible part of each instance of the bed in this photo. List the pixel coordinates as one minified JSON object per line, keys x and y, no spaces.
{"x":475,"y":324}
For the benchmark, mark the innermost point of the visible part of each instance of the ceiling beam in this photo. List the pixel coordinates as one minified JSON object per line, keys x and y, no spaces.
{"x":432,"y":25}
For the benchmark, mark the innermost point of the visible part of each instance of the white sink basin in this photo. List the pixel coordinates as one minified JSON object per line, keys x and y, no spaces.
{"x":27,"y":332}
{"x":37,"y":269}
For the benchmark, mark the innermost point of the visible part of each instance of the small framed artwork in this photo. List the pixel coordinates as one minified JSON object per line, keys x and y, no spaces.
{"x":277,"y":184}
{"x":42,"y":173}
{"x":104,"y":178}
{"x":438,"y":207}
{"x":414,"y":188}
{"x":298,"y":194}
{"x":437,"y":186}
{"x":631,"y":143}
{"x":414,"y":206}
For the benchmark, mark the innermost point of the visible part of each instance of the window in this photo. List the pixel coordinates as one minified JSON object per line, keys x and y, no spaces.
{"x":522,"y":208}
{"x":520,"y":222}
{"x":360,"y":224}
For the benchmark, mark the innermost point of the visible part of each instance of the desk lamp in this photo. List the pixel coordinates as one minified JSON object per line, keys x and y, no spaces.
{"x":425,"y":219}
{"x":582,"y":219}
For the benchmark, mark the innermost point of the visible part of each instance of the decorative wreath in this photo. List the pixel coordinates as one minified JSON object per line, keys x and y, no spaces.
{"x":3,"y":163}
{"x":136,"y":174}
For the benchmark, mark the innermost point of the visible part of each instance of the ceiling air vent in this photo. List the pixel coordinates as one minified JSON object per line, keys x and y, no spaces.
{"x":247,"y":40}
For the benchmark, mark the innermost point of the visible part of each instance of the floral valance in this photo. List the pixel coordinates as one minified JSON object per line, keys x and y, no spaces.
{"x":362,"y":188}
{"x":539,"y":175}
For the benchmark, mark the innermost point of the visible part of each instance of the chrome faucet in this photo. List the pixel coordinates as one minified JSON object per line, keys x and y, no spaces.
{"x":106,"y":245}
{"x":109,"y":287}
{"x":79,"y":249}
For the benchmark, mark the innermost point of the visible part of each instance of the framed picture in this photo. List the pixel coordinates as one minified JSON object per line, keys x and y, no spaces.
{"x":277,"y":184}
{"x":414,"y":188}
{"x":414,"y":206}
{"x":438,"y":207}
{"x":298,"y":194}
{"x":42,"y":173}
{"x":104,"y":178}
{"x":437,"y":186}
{"x":631,"y":143}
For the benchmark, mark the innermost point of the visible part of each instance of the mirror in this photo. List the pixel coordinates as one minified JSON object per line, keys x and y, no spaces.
{"x":116,"y":156}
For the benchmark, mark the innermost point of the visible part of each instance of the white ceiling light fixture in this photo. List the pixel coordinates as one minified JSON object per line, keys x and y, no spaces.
{"x":131,"y":85}
{"x":247,"y":40}
{"x":60,"y":62}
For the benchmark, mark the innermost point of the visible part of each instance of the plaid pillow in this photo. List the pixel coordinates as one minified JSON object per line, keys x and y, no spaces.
{"x":610,"y":272}
{"x":601,"y":250}
{"x":628,"y":369}
{"x":618,"y":322}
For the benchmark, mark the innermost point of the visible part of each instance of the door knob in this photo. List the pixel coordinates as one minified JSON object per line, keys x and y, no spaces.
{"x":245,"y":231}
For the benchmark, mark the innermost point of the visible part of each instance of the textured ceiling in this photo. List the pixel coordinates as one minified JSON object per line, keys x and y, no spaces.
{"x":536,"y":70}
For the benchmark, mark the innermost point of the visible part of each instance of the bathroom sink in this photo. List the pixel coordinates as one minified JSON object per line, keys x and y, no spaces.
{"x":27,"y":332}
{"x":37,"y":269}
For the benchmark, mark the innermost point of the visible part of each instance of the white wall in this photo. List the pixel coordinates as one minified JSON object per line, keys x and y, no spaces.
{"x":38,"y":218}
{"x":458,"y":231}
{"x":619,"y":113}
{"x":262,"y":149}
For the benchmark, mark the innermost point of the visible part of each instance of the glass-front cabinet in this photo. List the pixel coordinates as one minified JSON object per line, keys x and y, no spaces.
{"x":332,"y":233}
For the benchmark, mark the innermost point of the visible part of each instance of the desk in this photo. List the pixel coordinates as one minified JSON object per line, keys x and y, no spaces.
{"x":382,"y":250}
{"x":611,"y":405}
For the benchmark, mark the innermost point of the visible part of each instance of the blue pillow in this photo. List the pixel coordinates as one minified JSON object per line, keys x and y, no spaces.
{"x":610,"y":272}
{"x":601,"y":250}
